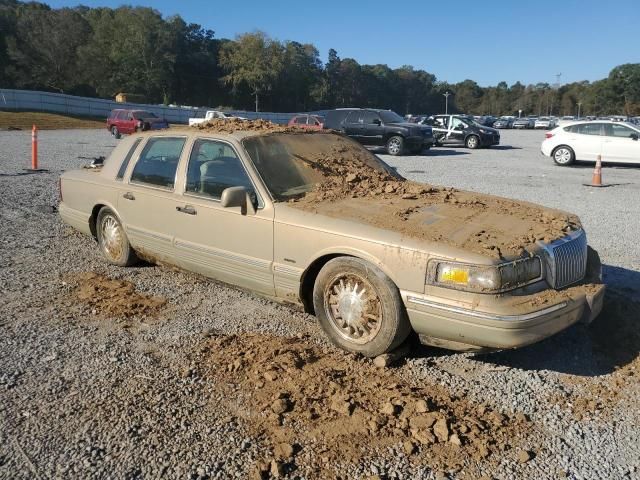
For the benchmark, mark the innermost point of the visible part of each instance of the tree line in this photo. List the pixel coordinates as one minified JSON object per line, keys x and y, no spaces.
{"x":103,"y":51}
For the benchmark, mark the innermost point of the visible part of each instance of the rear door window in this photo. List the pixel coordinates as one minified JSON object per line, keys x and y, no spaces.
{"x":368,"y":118}
{"x":354,"y":117}
{"x":127,"y":159}
{"x":589,"y":128}
{"x":158,"y":162}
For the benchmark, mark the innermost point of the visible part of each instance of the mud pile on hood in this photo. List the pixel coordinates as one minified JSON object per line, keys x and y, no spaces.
{"x":493,"y":226}
{"x":232,"y":125}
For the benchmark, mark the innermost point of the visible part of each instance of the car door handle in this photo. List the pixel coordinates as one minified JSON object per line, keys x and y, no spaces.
{"x":129,"y":196}
{"x":188,"y":209}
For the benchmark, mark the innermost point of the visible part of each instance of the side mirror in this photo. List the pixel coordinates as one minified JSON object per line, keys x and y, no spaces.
{"x":376,"y":121}
{"x":634,"y":136}
{"x":237,"y":197}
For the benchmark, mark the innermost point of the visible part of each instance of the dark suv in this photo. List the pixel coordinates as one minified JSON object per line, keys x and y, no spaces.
{"x":382,"y":128}
{"x":130,"y":121}
{"x":461,"y":130}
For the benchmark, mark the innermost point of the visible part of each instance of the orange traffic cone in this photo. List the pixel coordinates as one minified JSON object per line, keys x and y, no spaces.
{"x":596,"y":180}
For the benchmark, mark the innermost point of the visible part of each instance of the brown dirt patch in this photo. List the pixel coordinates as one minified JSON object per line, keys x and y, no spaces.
{"x":113,"y":298}
{"x":47,"y":121}
{"x":318,"y":409}
{"x":232,"y":125}
{"x":485,"y":224}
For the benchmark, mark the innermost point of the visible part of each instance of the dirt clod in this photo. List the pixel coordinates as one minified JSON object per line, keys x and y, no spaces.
{"x":342,"y":408}
{"x":524,"y":456}
{"x":113,"y":298}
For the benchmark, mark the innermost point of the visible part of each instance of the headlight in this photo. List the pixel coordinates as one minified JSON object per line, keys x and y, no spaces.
{"x":484,"y":279}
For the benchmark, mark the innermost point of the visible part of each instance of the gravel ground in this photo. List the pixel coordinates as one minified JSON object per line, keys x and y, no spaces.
{"x":84,"y":395}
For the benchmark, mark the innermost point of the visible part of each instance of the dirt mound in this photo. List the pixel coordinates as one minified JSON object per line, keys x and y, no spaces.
{"x":112,"y":298}
{"x":318,"y":409}
{"x":489,"y":225}
{"x":232,"y":125}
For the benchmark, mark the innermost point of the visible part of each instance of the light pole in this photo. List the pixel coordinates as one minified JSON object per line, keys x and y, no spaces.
{"x":446,"y":102}
{"x":579,"y":105}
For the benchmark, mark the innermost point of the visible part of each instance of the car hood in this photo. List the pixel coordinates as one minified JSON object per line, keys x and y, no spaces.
{"x":433,"y":218}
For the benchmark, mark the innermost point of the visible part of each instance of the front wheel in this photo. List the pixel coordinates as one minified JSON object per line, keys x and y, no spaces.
{"x":115,"y":132}
{"x":359,"y":307}
{"x":395,"y":145}
{"x":472,"y":142}
{"x":112,"y":239}
{"x":563,"y":156}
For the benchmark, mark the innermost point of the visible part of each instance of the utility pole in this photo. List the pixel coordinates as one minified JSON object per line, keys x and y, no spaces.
{"x":446,"y":102}
{"x":579,"y":105}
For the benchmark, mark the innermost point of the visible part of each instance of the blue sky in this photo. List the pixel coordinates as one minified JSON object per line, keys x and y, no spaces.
{"x":487,"y":41}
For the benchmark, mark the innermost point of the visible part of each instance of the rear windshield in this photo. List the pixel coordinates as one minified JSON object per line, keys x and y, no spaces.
{"x":291,"y":164}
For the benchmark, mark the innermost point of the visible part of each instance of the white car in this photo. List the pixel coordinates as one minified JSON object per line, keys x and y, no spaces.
{"x":212,"y":114}
{"x":617,"y":142}
{"x":545,"y":122}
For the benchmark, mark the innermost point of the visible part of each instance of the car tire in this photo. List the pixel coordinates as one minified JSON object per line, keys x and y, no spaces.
{"x":395,"y":145}
{"x":374,"y":324}
{"x":563,"y":155}
{"x":112,"y":239}
{"x":472,"y":142}
{"x":115,"y":132}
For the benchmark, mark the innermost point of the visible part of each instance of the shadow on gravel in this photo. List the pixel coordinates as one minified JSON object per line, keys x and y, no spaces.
{"x":505,"y":147}
{"x":610,"y":343}
{"x":445,"y":152}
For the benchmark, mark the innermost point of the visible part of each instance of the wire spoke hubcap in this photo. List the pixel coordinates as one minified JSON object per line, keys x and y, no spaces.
{"x":353,"y":307}
{"x":112,"y":237}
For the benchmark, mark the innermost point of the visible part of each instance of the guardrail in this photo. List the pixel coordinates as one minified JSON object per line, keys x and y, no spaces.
{"x":30,"y":100}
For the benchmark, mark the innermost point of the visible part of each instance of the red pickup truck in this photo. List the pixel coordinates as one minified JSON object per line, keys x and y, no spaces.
{"x":130,"y":121}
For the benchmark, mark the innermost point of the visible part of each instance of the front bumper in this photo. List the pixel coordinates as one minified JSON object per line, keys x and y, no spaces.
{"x":488,"y":140}
{"x":463,"y":328}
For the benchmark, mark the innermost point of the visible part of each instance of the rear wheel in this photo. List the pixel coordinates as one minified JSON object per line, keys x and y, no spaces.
{"x":395,"y":145}
{"x":563,"y":155}
{"x":472,"y":141}
{"x":359,"y":307}
{"x":113,"y":240}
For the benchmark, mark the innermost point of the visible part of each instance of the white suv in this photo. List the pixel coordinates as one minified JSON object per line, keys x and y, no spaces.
{"x":617,"y":142}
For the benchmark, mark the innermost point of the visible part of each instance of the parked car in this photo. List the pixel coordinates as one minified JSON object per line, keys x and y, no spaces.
{"x":486,"y":120}
{"x":167,"y":196}
{"x":313,"y":122}
{"x":616,"y":142}
{"x":523,"y":123}
{"x":504,"y":122}
{"x":461,"y":130}
{"x":382,"y":128}
{"x":211,"y":115}
{"x":545,"y":122}
{"x":121,"y":121}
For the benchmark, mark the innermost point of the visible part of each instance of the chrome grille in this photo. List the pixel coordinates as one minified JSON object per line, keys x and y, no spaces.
{"x":567,"y":259}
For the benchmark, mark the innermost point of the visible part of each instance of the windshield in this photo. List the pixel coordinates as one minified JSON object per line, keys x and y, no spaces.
{"x":140,"y":115}
{"x":388,"y":116}
{"x":292,"y":164}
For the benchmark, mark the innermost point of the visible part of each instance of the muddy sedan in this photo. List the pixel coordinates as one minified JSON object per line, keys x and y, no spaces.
{"x":313,"y":218}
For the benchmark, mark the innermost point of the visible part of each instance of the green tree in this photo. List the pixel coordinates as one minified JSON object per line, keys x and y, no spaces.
{"x":131,"y":50}
{"x":43,"y":48}
{"x":254,"y":60}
